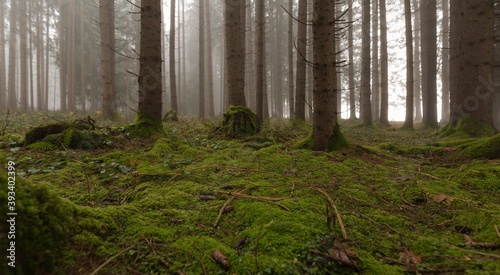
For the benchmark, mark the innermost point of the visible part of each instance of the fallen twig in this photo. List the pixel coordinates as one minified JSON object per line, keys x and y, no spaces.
{"x":476,"y":252}
{"x":221,"y":211}
{"x":337,"y":213}
{"x":112,"y":258}
{"x":452,"y":174}
{"x":421,"y":173}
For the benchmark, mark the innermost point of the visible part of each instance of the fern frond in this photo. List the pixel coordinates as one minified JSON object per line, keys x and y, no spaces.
{"x":43,"y":145}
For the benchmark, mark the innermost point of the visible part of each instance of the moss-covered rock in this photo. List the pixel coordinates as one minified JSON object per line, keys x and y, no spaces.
{"x":238,"y":121}
{"x":170,"y":116}
{"x":39,"y":133}
{"x":488,"y":148}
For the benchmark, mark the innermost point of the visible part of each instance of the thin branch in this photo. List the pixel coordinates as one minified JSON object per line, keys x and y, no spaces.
{"x":337,"y":213}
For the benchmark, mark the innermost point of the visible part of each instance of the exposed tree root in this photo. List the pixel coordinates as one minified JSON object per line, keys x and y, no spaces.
{"x":337,"y":213}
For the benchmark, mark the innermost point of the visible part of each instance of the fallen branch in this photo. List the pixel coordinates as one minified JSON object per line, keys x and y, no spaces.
{"x":476,"y":252}
{"x":112,"y":258}
{"x":337,"y":213}
{"x":421,"y":173}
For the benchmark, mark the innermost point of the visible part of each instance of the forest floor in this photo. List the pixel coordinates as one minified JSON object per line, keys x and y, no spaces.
{"x":191,"y":202}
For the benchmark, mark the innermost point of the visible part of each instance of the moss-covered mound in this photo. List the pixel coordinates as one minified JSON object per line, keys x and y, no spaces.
{"x":336,"y":142}
{"x":488,"y":148}
{"x":145,"y":127}
{"x":239,"y":121}
{"x":170,"y":116}
{"x":467,"y":127}
{"x":45,"y":229}
{"x":40,"y":132}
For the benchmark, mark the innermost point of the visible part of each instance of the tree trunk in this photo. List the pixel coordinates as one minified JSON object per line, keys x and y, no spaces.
{"x":209,"y":64}
{"x":417,"y":76}
{"x":47,"y":58}
{"x":71,"y":58}
{"x":384,"y":76}
{"x":184,"y":75}
{"x":429,"y":59}
{"x":107,"y":29}
{"x":83,"y":94}
{"x":201,"y":60}
{"x":309,"y":69}
{"x":173,"y":79}
{"x":12,"y":94}
{"x":23,"y":53}
{"x":291,"y":101}
{"x":235,"y":52}
{"x":278,"y":63}
{"x":445,"y":76}
{"x":39,"y":57}
{"x":496,"y":73}
{"x":471,"y":55}
{"x":259,"y":58}
{"x":3,"y":91}
{"x":408,"y":124}
{"x":365,"y":65}
{"x":150,"y":73}
{"x":375,"y":63}
{"x":300,"y":86}
{"x":352,"y":89}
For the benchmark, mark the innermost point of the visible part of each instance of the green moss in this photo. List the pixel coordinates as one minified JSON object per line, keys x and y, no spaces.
{"x":466,"y":127}
{"x":145,"y":127}
{"x":337,"y":141}
{"x":239,"y":121}
{"x":488,"y":148}
{"x":40,"y":132}
{"x":170,"y":116}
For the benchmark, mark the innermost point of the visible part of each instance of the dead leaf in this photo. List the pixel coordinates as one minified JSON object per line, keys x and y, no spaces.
{"x":442,"y":198}
{"x":220,"y":259}
{"x":409,"y":257}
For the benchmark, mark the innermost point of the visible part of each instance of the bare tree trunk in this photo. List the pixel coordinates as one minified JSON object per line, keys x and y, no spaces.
{"x":47,"y":58}
{"x":375,"y":63}
{"x":408,"y":124}
{"x":417,"y":76}
{"x":39,"y":57}
{"x":12,"y":95}
{"x":445,"y":76}
{"x":309,"y":69}
{"x":180,"y":88}
{"x":71,"y":58}
{"x":83,"y":95}
{"x":259,"y":59}
{"x":23,"y":53}
{"x":235,"y":52}
{"x":300,"y":86}
{"x":352,"y":89}
{"x":291,"y":102}
{"x":184,"y":76}
{"x":209,"y":67}
{"x":365,"y":65}
{"x":150,"y":73}
{"x":3,"y":91}
{"x":278,"y":63}
{"x":384,"y":76}
{"x":108,"y":58}
{"x":201,"y":64}
{"x":31,"y":103}
{"x":429,"y":59}
{"x":173,"y":83}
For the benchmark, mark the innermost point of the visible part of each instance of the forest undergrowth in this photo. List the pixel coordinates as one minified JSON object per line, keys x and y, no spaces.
{"x":192,"y":202}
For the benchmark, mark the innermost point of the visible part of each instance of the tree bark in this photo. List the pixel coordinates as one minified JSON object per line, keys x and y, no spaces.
{"x":291,"y":100}
{"x":350,"y":39}
{"x":300,"y":86}
{"x":445,"y":76}
{"x":408,"y":124}
{"x":384,"y":76}
{"x":417,"y":76}
{"x":259,"y":58}
{"x":201,"y":61}
{"x":23,"y":54}
{"x":235,"y":52}
{"x":365,"y":65}
{"x":375,"y":63}
{"x":107,"y":29}
{"x":173,"y":79}
{"x":429,"y":59}
{"x":3,"y":91}
{"x":209,"y":64}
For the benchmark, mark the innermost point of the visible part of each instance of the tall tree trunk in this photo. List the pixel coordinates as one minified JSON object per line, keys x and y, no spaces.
{"x":291,"y":101}
{"x":235,"y":52}
{"x":179,"y":54}
{"x":300,"y":86}
{"x":259,"y":59}
{"x":3,"y":91}
{"x":31,"y":104}
{"x":350,"y":39}
{"x":408,"y":124}
{"x":71,"y":58}
{"x":384,"y":76}
{"x":365,"y":64}
{"x":375,"y":63}
{"x":39,"y":57}
{"x":496,"y":73}
{"x":209,"y":64}
{"x":83,"y":95}
{"x":201,"y":60}
{"x":47,"y":58}
{"x":23,"y":53}
{"x":325,"y":98}
{"x":107,"y":29}
{"x":173,"y":79}
{"x":278,"y":63}
{"x":445,"y":76}
{"x":471,"y":55}
{"x":184,"y":75}
{"x":417,"y":76}
{"x":429,"y":59}
{"x":12,"y":94}
{"x":309,"y":69}
{"x":150,"y":72}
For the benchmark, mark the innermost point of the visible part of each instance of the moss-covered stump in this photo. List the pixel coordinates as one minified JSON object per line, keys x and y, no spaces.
{"x":239,"y":121}
{"x":337,"y":141}
{"x":467,"y":127}
{"x":44,"y":231}
{"x":145,"y":128}
{"x":170,"y":116}
{"x":487,"y":148}
{"x":39,"y":133}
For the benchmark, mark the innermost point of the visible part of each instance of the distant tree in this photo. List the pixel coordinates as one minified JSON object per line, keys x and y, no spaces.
{"x":235,"y":52}
{"x":352,"y":89}
{"x":429,"y":60}
{"x":209,"y":61}
{"x":149,"y":113}
{"x":12,"y":89}
{"x":70,"y":57}
{"x":408,"y":124}
{"x":201,"y":61}
{"x":259,"y":59}
{"x":23,"y":53}
{"x":417,"y":76}
{"x":471,"y":66}
{"x":3,"y":94}
{"x":173,"y":79}
{"x":277,"y":65}
{"x":300,"y":86}
{"x":291,"y":103}
{"x":365,"y":65}
{"x":445,"y":76}
{"x":384,"y":77}
{"x":375,"y":62}
{"x":107,"y":28}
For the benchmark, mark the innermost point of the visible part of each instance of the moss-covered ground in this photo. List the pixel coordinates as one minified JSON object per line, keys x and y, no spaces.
{"x":407,"y":201}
